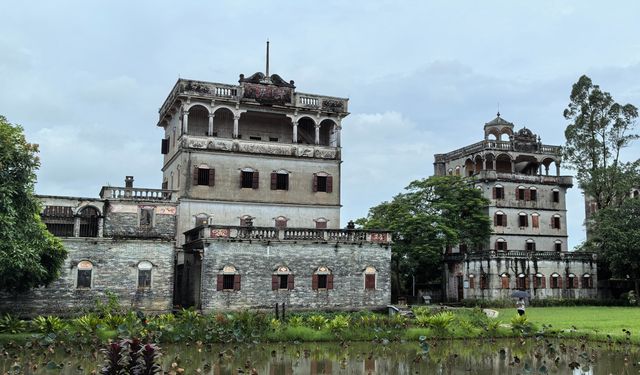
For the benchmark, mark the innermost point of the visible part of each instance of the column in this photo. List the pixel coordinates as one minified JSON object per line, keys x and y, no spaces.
{"x":317,"y":134}
{"x":295,"y":131}
{"x":236,"y":119}
{"x":76,"y":226}
{"x":338,"y":132}
{"x":100,"y":226}
{"x":484,"y":164}
{"x":185,"y":122}
{"x":211,"y":116}
{"x":557,"y":169}
{"x":513,"y":167}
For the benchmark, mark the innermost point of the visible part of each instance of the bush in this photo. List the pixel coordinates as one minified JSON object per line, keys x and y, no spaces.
{"x":339,"y":323}
{"x":521,"y":325}
{"x":440,"y":322}
{"x":48,"y":324}
{"x":317,"y":322}
{"x":11,"y":324}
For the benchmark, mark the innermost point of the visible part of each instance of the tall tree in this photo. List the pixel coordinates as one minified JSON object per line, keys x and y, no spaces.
{"x":616,"y":235}
{"x":29,"y":255}
{"x":599,"y":129}
{"x":432,"y":214}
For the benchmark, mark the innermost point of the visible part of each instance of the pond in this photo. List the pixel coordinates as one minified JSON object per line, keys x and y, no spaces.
{"x":517,"y":356}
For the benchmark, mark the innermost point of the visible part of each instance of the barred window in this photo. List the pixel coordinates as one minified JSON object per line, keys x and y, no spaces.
{"x":144,"y":274}
{"x":85,"y":269}
{"x":59,"y":220}
{"x":89,"y":222}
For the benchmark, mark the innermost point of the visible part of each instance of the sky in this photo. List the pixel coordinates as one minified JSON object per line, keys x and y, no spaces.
{"x":85,"y":79}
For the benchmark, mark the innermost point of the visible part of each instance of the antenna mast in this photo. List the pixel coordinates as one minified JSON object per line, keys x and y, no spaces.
{"x":267,"y":71}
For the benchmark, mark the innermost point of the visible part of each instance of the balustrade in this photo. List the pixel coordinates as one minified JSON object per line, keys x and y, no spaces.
{"x":110,"y":192}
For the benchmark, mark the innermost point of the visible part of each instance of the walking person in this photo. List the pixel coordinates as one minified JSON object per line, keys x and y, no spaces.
{"x":520,"y":306}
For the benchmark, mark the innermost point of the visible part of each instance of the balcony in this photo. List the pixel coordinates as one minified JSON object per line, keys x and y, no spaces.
{"x":133,"y":194}
{"x":490,"y":175}
{"x":522,"y":254}
{"x":218,"y":232}
{"x":260,"y":147}
{"x":491,"y":145}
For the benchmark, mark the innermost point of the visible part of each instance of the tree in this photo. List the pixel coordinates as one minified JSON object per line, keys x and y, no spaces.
{"x":615,"y":235}
{"x":600,"y":128}
{"x":30,"y":256}
{"x":432,"y":214}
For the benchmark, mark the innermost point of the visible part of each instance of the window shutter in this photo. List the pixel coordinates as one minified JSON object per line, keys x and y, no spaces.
{"x":275,"y":282}
{"x":544,"y":282}
{"x":219,"y":282}
{"x":256,"y":179}
{"x":517,"y":194}
{"x":558,"y":223}
{"x":504,"y":220}
{"x":212,"y":177}
{"x":527,"y":195}
{"x":236,"y":282}
{"x":472,"y":283}
{"x":290,"y":282}
{"x":576,"y":282}
{"x":494,"y":192}
{"x":369,"y":281}
{"x":314,"y":186}
{"x":314,"y":282}
{"x":560,"y":282}
{"x":274,"y":181}
{"x":527,"y":281}
{"x":241,"y":179}
{"x":195,"y":176}
{"x":164,"y":146}
{"x":495,"y":219}
{"x":330,"y":281}
{"x":329,"y":184}
{"x":526,"y":221}
{"x":535,"y":221}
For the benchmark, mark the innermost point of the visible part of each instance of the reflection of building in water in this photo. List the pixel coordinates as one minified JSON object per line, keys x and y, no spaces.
{"x":528,"y":247}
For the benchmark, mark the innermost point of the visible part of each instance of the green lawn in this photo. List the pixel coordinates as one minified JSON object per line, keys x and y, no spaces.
{"x":588,"y":319}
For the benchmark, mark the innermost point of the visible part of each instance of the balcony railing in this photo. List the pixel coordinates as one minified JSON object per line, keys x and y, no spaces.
{"x":223,"y":232}
{"x":521,"y":254}
{"x":124,"y":193}
{"x":494,"y":145}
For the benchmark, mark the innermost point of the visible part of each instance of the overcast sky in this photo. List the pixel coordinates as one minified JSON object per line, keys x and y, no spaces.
{"x":85,"y":79}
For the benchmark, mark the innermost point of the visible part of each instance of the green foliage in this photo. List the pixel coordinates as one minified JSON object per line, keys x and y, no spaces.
{"x":48,"y":324}
{"x":31,"y":256}
{"x":11,"y":324}
{"x":433,"y":213}
{"x":317,"y":322}
{"x":86,"y":323}
{"x":295,"y":321}
{"x":421,"y":310}
{"x":599,"y":129}
{"x":522,"y":325}
{"x":423,"y":321}
{"x":339,"y":323}
{"x":441,"y":322}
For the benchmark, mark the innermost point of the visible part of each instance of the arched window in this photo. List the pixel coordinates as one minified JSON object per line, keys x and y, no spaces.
{"x":498,"y":192}
{"x":85,"y":270}
{"x":523,"y":220}
{"x":228,"y":279}
{"x":472,"y":281}
{"x":557,"y":246}
{"x":555,"y":221}
{"x":450,"y":172}
{"x":535,"y":220}
{"x":198,"y":120}
{"x":505,"y":280}
{"x":249,"y":178}
{"x":144,"y":274}
{"x":501,"y":244}
{"x":521,"y":193}
{"x":282,"y":279}
{"x":555,"y":281}
{"x":322,"y":278}
{"x":281,"y":222}
{"x":458,"y":171}
{"x":572,"y":281}
{"x":321,"y":223}
{"x":202,"y":219}
{"x":530,"y":245}
{"x":522,"y":281}
{"x":370,"y":278}
{"x":533,"y":194}
{"x":246,"y":221}
{"x":539,"y":281}
{"x":500,"y":219}
{"x":89,"y":222}
{"x":280,"y":180}
{"x":555,"y":195}
{"x":587,"y":281}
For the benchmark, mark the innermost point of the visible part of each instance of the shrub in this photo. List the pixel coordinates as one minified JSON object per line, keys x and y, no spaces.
{"x":339,"y":323}
{"x":317,"y":322}
{"x":421,"y":311}
{"x":423,"y":321}
{"x":520,"y":324}
{"x":48,"y":324}
{"x":440,"y":322}
{"x":295,"y":321}
{"x":11,"y":324}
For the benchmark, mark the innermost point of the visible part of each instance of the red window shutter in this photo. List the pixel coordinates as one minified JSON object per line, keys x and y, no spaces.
{"x":495,"y":219}
{"x":236,"y":282}
{"x":370,"y":281}
{"x":527,"y":195}
{"x":314,"y":282}
{"x":494,"y":192}
{"x":472,"y":283}
{"x":274,"y":181}
{"x":256,"y":179}
{"x":576,"y":282}
{"x":558,"y":223}
{"x":535,"y":221}
{"x":212,"y":177}
{"x":275,"y":282}
{"x":195,"y":176}
{"x":314,"y":183}
{"x":526,"y":221}
{"x":526,"y":282}
{"x":329,"y":281}
{"x":517,"y":194}
{"x":544,"y":282}
{"x":329,"y":184}
{"x":219,"y":282}
{"x":560,"y":282}
{"x":495,"y":245}
{"x":241,"y":178}
{"x":504,"y":220}
{"x":290,"y":282}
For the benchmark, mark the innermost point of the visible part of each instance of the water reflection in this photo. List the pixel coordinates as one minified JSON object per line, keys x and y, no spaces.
{"x":531,"y":356}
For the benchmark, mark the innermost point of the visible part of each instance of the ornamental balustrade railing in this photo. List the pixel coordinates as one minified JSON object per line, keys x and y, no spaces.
{"x":521,"y":254}
{"x":125,"y":193}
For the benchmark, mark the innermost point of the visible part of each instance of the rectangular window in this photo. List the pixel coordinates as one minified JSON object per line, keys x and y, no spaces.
{"x":531,"y":246}
{"x":228,"y":282}
{"x":247,"y":180}
{"x":370,"y":281}
{"x":556,"y":196}
{"x":570,"y":281}
{"x":59,"y":220}
{"x":84,"y":278}
{"x":484,"y":282}
{"x":555,"y":222}
{"x":281,"y":181}
{"x":322,"y":281}
{"x":521,"y":194}
{"x":522,"y":220}
{"x":283,"y":282}
{"x":203,"y":176}
{"x":535,"y":221}
{"x":499,"y":192}
{"x":501,"y":220}
{"x":558,"y":247}
{"x":533,"y":195}
{"x":554,"y":283}
{"x":255,"y":138}
{"x":521,"y":282}
{"x":273,"y":139}
{"x":321,"y":225}
{"x":501,"y":245}
{"x":164,"y":147}
{"x":322,"y":183}
{"x":144,"y":279}
{"x":146,"y":217}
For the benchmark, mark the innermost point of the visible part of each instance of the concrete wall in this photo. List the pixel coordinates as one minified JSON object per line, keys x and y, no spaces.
{"x":256,"y":262}
{"x":114,"y":269}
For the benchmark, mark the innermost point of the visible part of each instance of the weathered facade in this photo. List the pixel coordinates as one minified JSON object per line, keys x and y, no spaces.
{"x":122,"y":243}
{"x":528,"y":247}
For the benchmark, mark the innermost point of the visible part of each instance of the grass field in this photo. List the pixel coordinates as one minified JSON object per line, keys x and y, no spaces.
{"x":583,"y":319}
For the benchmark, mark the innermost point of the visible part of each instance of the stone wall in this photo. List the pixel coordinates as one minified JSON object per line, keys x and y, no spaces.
{"x":256,"y":262}
{"x":123,"y":220}
{"x":115,"y":269}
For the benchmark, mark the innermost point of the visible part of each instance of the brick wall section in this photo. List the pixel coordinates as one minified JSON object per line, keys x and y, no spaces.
{"x":114,"y":269}
{"x":256,"y":263}
{"x":127,"y":225}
